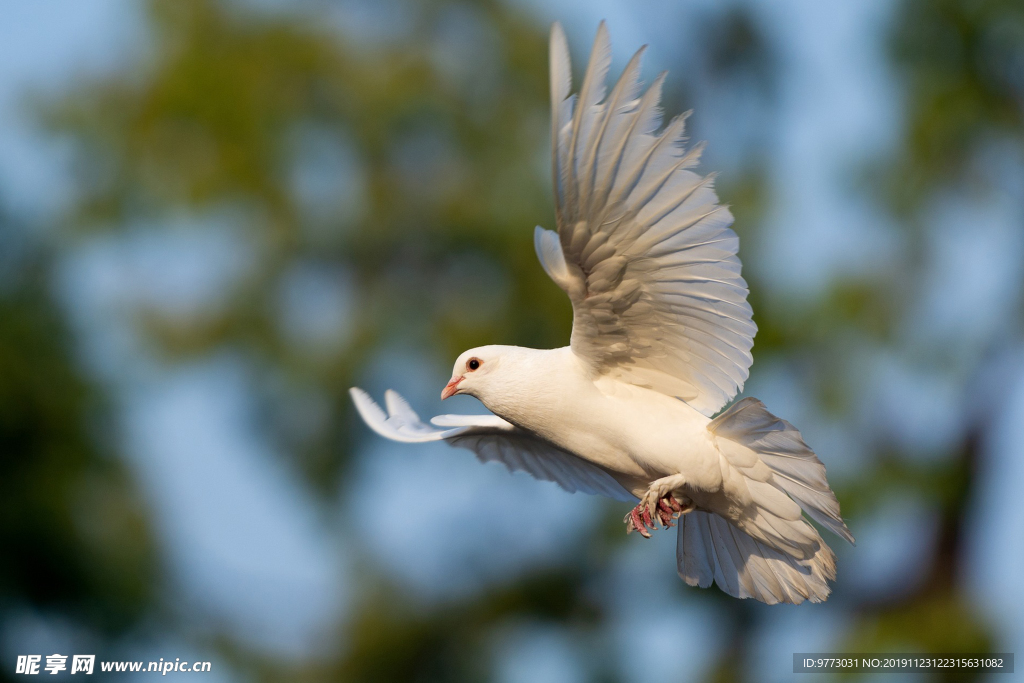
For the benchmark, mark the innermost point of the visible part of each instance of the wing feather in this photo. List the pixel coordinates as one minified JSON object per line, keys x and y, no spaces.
{"x":589,"y":109}
{"x":561,"y":104}
{"x":644,"y":250}
{"x":492,"y":439}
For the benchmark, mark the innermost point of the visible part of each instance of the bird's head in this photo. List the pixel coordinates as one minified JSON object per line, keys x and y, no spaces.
{"x":475,"y":370}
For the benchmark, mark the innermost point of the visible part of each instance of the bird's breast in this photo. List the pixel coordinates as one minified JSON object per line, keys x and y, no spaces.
{"x":625,"y":429}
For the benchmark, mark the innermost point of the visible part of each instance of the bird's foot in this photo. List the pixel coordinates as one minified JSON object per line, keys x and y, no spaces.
{"x":670,"y":509}
{"x":658,"y":504}
{"x":666,"y":510}
{"x":638,"y":519}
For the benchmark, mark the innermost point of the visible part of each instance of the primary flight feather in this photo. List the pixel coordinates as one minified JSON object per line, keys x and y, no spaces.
{"x":661,"y":341}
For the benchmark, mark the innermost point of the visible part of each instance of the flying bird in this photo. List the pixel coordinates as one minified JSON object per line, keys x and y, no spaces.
{"x":660,"y":343}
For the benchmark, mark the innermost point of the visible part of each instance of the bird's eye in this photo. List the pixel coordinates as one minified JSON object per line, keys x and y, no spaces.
{"x":473,"y":364}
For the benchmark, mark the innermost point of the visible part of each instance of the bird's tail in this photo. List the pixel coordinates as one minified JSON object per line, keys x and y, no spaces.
{"x":765,"y":549}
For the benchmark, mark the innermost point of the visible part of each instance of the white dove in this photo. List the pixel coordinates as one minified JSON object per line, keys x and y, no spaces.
{"x":661,"y":341}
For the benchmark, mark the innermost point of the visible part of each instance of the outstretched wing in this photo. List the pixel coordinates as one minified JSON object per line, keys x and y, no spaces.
{"x":491,"y":439}
{"x":643,"y":248}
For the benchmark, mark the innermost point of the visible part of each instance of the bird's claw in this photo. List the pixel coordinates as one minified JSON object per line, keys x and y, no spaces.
{"x":635,"y":521}
{"x":645,"y":517}
{"x":668,"y":510}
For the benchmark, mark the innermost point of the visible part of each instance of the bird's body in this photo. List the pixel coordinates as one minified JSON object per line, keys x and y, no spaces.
{"x":661,"y":342}
{"x":635,"y":434}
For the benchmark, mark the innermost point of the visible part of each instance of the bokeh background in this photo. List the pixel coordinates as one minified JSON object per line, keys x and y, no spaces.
{"x":218,"y":215}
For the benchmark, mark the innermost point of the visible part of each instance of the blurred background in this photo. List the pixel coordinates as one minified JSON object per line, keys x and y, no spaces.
{"x":218,"y":215}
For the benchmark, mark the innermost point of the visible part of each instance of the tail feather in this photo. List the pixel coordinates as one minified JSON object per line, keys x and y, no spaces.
{"x":796,"y":469}
{"x":777,"y":521}
{"x":711,"y":549}
{"x":760,"y":545}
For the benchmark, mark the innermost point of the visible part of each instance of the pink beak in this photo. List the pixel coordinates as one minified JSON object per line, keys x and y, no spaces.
{"x":451,"y":387}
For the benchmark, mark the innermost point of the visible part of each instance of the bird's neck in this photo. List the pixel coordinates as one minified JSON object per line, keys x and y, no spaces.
{"x":532,"y":383}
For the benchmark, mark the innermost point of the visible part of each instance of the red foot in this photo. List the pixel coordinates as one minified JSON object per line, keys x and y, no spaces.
{"x":636,"y":519}
{"x":667,"y":511}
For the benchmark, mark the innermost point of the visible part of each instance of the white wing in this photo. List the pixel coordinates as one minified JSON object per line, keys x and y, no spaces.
{"x":492,"y":439}
{"x":643,"y":249}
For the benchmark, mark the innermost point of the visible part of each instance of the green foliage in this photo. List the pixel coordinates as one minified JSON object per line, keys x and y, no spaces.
{"x":961,"y":63}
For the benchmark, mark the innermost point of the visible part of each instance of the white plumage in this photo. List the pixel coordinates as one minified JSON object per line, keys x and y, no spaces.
{"x":661,"y":341}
